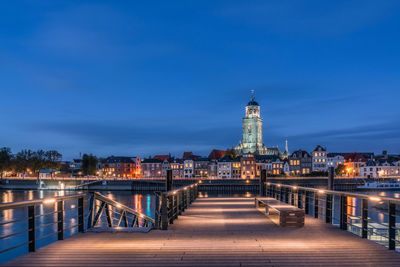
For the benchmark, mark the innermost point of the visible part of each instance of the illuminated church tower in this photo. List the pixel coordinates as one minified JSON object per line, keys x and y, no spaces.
{"x":252,"y":130}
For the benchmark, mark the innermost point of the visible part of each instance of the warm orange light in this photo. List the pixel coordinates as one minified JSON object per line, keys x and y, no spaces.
{"x":48,"y":201}
{"x":294,"y":187}
{"x":321,"y":191}
{"x":375,"y":198}
{"x":278,"y":185}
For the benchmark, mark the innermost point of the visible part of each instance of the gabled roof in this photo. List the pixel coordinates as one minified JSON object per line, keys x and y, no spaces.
{"x":113,"y":159}
{"x":202,"y":159}
{"x":152,"y":161}
{"x":319,"y":148}
{"x":300,"y":154}
{"x":161,"y":157}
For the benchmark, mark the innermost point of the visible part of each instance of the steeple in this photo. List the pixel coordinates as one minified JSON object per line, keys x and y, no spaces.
{"x":252,"y":94}
{"x":286,"y":146}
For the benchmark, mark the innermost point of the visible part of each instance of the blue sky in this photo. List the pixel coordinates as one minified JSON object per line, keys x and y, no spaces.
{"x":152,"y":77}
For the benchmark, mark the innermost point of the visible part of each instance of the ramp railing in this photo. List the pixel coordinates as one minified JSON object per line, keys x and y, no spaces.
{"x":118,"y":216}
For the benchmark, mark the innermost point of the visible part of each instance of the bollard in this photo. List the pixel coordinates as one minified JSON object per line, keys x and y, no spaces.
{"x":168,"y":181}
{"x":263,"y":179}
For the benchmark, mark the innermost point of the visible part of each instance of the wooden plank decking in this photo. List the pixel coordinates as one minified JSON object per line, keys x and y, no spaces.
{"x":216,"y":232}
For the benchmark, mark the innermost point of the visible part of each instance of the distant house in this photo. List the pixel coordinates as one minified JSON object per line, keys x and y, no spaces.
{"x":188,"y":168}
{"x":380,"y":169}
{"x":319,"y":159}
{"x":248,"y":165}
{"x":122,"y":167}
{"x":225,"y":168}
{"x":201,"y":167}
{"x":151,"y":168}
{"x":335,"y":159}
{"x":300,"y":163}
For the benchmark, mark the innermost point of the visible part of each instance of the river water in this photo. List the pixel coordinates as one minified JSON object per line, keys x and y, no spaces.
{"x":142,"y":202}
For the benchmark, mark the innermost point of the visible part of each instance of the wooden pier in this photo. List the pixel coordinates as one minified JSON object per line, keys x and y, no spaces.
{"x":217,"y":232}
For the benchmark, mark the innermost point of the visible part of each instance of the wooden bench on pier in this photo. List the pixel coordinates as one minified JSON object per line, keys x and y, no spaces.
{"x":280,"y":213}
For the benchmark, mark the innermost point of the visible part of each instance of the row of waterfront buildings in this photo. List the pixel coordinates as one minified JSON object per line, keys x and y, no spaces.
{"x":220,"y":164}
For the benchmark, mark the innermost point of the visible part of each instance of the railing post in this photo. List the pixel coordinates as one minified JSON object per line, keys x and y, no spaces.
{"x":31,"y":229}
{"x":299,"y":199}
{"x":292,"y":197}
{"x":164,"y":212}
{"x":263,"y":179}
{"x":306,"y":202}
{"x":92,"y":210}
{"x":158,"y":211}
{"x":316,"y":211}
{"x":392,"y":226}
{"x":81,"y":225}
{"x":364,"y":218}
{"x":168,"y":181}
{"x":178,"y":203}
{"x":328,"y":209}
{"x":60,"y":219}
{"x":343,"y":212}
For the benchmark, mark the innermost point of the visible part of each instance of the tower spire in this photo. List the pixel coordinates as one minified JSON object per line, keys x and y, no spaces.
{"x":286,"y":146}
{"x":252,"y":94}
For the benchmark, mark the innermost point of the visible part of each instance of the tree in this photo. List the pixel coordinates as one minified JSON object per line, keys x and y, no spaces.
{"x":5,"y":160}
{"x":89,"y":164}
{"x":231,"y":152}
{"x":52,"y":160}
{"x":23,"y":161}
{"x":340,"y":169}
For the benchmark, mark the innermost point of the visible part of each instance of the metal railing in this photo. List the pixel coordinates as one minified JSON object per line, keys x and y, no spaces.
{"x":116,"y":214}
{"x":171,"y":204}
{"x":349,"y":211}
{"x":59,"y":215}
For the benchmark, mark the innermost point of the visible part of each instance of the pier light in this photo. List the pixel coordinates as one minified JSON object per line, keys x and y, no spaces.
{"x":268,"y":183}
{"x":375,"y":198}
{"x":294,"y":187}
{"x":247,"y":181}
{"x":49,"y":201}
{"x":278,"y":185}
{"x":321,"y":191}
{"x":118,"y":205}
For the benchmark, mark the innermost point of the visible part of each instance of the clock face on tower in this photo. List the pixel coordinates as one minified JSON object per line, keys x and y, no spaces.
{"x":249,"y":128}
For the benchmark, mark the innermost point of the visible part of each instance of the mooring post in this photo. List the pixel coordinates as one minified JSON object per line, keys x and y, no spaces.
{"x":263,"y":179}
{"x":331,"y":177}
{"x":158,"y":211}
{"x":316,"y":205}
{"x":168,"y":181}
{"x":328,"y":208}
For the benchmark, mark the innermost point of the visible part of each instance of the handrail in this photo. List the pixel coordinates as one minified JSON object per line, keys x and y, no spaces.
{"x":171,"y":204}
{"x":26,"y":203}
{"x":323,"y":202}
{"x":338,"y":193}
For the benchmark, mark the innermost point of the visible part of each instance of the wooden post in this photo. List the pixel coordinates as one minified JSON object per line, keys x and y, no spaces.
{"x":392,"y":226}
{"x":168,"y":181}
{"x":263,"y":179}
{"x":364,"y":218}
{"x":331,"y":177}
{"x":60,"y":219}
{"x":31,"y":229}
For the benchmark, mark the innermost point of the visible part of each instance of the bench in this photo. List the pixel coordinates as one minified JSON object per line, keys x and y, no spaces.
{"x":280,"y":213}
